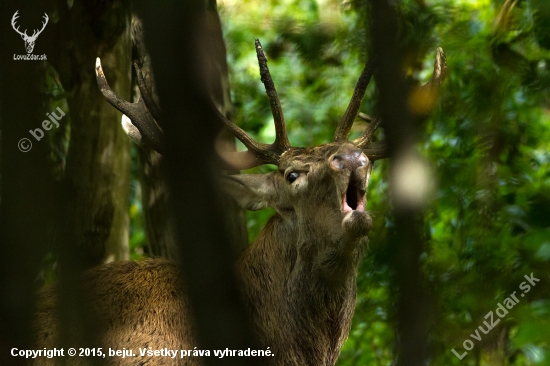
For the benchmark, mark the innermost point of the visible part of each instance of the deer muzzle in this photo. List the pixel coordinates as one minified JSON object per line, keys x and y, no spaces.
{"x":353,"y":163}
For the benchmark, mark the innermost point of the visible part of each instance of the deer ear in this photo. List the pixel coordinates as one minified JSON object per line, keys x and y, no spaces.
{"x":252,"y":191}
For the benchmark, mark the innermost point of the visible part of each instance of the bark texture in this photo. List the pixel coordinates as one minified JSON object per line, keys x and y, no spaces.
{"x":97,"y":172}
{"x":93,"y":222}
{"x":155,"y":200}
{"x":199,"y":208}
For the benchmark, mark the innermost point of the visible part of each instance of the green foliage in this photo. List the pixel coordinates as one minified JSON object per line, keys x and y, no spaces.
{"x":138,"y":240}
{"x":488,"y":224}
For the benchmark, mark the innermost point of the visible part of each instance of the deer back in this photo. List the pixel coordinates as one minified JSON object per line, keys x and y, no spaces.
{"x":134,"y":305}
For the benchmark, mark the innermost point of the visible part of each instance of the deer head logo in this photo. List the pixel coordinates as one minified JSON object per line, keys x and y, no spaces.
{"x":29,"y":40}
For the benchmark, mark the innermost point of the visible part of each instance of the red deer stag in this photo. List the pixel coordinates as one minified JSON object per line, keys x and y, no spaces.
{"x":298,"y":277}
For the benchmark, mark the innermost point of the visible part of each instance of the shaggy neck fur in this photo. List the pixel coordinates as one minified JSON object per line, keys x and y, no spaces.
{"x":302,"y":301}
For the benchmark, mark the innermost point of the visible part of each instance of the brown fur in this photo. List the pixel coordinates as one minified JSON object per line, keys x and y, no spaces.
{"x":298,"y":276}
{"x":138,"y":304}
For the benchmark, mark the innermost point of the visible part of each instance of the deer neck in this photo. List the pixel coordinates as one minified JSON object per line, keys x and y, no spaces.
{"x":290,"y":291}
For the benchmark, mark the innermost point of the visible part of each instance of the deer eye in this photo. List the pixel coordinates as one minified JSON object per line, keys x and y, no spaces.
{"x":292,"y":176}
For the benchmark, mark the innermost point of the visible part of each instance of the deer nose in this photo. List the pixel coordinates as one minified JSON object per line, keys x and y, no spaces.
{"x":350,"y":160}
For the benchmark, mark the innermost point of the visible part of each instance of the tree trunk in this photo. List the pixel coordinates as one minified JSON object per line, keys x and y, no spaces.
{"x":413,"y":303}
{"x":94,"y":224}
{"x":97,"y":171}
{"x":155,"y":201}
{"x":198,"y":206}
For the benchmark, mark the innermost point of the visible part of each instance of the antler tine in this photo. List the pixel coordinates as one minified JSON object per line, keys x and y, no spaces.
{"x":145,"y":89}
{"x":376,"y":150}
{"x":242,"y":160}
{"x":367,"y":134}
{"x":281,"y":138}
{"x":344,"y":126}
{"x":137,"y":112}
{"x":440,"y":71}
{"x":423,"y":98}
{"x":265,"y":153}
{"x":259,"y":153}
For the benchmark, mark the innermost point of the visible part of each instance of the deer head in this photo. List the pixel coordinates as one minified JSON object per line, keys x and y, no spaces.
{"x":29,"y":40}
{"x":299,"y":276}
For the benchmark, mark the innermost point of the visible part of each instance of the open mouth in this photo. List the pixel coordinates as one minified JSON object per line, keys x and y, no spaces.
{"x":353,"y":198}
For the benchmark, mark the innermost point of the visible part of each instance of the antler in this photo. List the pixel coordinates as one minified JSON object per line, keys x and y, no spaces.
{"x":150,"y":132}
{"x":423,"y":98}
{"x":379,"y":150}
{"x":281,"y":138}
{"x":440,"y":71}
{"x":259,"y":153}
{"x":369,"y":131}
{"x":13,"y":19}
{"x":146,"y":91}
{"x":344,"y":126}
{"x":145,"y":111}
{"x":374,"y":150}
